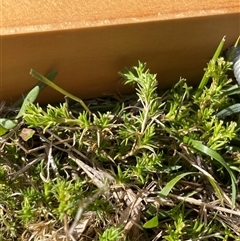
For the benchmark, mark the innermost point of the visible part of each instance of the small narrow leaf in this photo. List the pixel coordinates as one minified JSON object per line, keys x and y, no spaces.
{"x":152,"y":223}
{"x":41,"y":85}
{"x":30,"y":98}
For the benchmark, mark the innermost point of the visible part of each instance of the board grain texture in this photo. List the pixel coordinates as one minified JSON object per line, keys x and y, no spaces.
{"x":90,"y":41}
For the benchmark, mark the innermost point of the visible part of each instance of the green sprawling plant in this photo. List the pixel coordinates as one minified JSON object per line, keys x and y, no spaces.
{"x":154,"y":166}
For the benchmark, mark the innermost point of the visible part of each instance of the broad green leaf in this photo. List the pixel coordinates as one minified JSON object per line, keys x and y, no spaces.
{"x":3,"y":130}
{"x":213,"y":154}
{"x":30,"y":98}
{"x":233,"y":109}
{"x":6,"y":124}
{"x":167,"y":189}
{"x":152,"y":223}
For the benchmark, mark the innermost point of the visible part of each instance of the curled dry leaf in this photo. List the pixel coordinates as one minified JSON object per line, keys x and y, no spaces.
{"x":26,"y":134}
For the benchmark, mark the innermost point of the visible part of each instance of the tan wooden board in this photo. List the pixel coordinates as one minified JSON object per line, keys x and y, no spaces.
{"x":90,"y":41}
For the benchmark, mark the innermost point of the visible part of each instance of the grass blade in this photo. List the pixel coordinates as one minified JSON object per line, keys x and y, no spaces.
{"x":57,"y":88}
{"x":169,"y":186}
{"x":212,"y":181}
{"x":213,"y":154}
{"x":205,"y":78}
